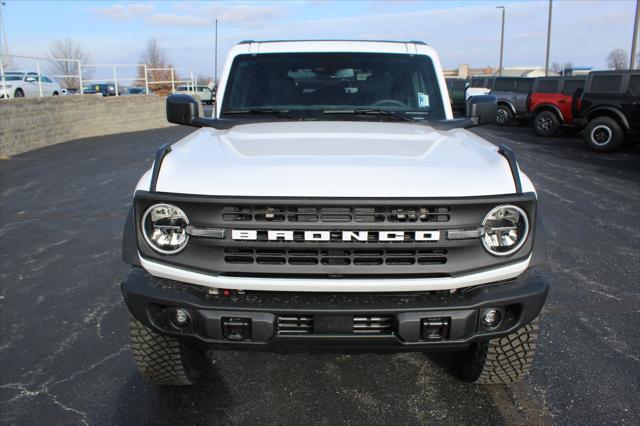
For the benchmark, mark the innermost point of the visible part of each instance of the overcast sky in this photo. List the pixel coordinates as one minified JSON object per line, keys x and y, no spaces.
{"x":584,"y":32}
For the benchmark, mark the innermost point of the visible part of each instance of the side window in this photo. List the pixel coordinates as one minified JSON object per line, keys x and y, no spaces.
{"x":548,"y":86}
{"x":634,"y":85}
{"x":45,"y":79}
{"x":524,"y":86}
{"x":504,"y":85}
{"x":570,"y":86}
{"x":458,"y":85}
{"x":605,"y":83}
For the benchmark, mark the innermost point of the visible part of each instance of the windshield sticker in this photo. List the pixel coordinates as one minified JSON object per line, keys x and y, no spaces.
{"x":423,"y":100}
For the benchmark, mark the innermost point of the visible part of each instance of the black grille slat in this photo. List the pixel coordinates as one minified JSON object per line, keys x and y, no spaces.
{"x":295,"y":324}
{"x":335,"y":214}
{"x":335,"y":257}
{"x":372,"y":324}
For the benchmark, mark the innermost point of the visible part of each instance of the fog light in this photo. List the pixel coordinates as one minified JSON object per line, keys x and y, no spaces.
{"x":491,"y":318}
{"x":180,"y":318}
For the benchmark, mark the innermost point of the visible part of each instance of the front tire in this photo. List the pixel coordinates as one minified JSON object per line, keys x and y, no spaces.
{"x":18,"y":93}
{"x":55,"y":94}
{"x":502,"y":360}
{"x":504,"y":115}
{"x":603,"y":134}
{"x":165,"y":360}
{"x":546,"y":124}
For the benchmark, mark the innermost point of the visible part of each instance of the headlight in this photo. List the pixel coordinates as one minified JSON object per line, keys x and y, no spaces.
{"x":505,"y":230}
{"x":165,"y":228}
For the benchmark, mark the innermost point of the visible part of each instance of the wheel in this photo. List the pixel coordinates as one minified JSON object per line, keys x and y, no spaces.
{"x":546,"y":123}
{"x":18,"y":94}
{"x":504,"y":115}
{"x":165,"y":360}
{"x":502,"y":360}
{"x":603,"y":134}
{"x":54,"y":94}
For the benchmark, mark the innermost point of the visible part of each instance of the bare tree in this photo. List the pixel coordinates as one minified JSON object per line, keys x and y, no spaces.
{"x":617,"y":60}
{"x":158,"y":64}
{"x":203,"y":79}
{"x":559,"y":68}
{"x":68,"y":49}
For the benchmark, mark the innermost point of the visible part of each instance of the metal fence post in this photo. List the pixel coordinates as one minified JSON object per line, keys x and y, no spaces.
{"x":80,"y":77}
{"x":146,"y":79}
{"x":5,"y":94}
{"x":173,"y":83}
{"x":39,"y":77}
{"x":115,"y":79}
{"x":193,"y":83}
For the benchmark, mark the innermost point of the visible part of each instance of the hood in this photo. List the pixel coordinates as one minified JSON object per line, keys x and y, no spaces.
{"x":334,"y":159}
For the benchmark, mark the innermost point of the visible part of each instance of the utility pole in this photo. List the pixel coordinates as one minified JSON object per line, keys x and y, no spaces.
{"x":546,"y":62}
{"x":215,"y":61}
{"x":634,"y":42}
{"x":501,"y":39}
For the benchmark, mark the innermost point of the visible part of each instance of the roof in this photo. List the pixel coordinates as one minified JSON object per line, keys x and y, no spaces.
{"x":354,"y":40}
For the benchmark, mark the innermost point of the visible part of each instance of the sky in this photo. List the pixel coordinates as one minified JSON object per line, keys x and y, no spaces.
{"x":583,"y":32}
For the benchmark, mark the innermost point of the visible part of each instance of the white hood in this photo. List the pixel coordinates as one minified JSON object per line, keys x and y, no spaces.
{"x":334,"y":159}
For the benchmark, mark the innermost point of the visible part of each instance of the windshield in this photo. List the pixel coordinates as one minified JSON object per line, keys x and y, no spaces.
{"x":397,"y":83}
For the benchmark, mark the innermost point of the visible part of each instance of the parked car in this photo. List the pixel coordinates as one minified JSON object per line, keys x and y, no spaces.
{"x":480,"y":85}
{"x":457,"y":88}
{"x":610,"y":109}
{"x":207,"y":96}
{"x":104,"y":89}
{"x":21,"y":84}
{"x":512,"y":93}
{"x":553,"y":103}
{"x":292,"y":220}
{"x":132,"y":91}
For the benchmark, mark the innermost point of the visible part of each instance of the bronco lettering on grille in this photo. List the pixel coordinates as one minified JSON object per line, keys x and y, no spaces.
{"x":279,"y":235}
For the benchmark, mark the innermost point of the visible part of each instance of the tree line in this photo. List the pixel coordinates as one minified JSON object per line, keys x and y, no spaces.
{"x":153,"y":55}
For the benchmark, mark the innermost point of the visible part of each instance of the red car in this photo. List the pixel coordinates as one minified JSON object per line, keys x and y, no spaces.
{"x":553,"y":103}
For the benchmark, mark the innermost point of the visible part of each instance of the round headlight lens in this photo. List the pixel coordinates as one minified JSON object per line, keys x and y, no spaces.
{"x":505,"y":230}
{"x":165,"y":228}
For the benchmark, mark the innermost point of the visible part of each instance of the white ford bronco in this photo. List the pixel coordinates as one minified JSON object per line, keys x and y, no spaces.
{"x":333,"y":202}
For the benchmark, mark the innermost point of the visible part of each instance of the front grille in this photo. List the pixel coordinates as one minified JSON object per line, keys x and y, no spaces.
{"x":377,"y":324}
{"x":336,"y":257}
{"x":335,"y":214}
{"x":295,"y":324}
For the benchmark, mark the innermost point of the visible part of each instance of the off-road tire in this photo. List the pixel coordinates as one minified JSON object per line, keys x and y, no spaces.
{"x":504,"y":115}
{"x":502,"y":360}
{"x":546,"y":124}
{"x":607,"y":126}
{"x":165,"y":360}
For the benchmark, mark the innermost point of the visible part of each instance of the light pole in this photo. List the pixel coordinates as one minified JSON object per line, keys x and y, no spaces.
{"x":634,"y":41}
{"x":546,"y":62}
{"x":502,"y":39}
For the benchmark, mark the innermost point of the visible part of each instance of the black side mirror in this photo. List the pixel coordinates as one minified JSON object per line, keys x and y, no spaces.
{"x":182,"y":109}
{"x":482,"y":109}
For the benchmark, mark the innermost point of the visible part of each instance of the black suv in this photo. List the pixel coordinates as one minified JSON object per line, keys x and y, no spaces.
{"x":610,"y":109}
{"x":512,"y":93}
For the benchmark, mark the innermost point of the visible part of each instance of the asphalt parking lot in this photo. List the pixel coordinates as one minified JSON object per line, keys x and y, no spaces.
{"x":64,"y":355}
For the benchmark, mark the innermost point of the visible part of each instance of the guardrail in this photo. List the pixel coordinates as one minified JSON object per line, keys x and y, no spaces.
{"x":83,"y":77}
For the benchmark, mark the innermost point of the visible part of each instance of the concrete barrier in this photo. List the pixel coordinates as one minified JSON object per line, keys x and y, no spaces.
{"x":31,"y":123}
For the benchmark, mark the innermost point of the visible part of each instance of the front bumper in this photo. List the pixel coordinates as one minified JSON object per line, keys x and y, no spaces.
{"x":400,"y":322}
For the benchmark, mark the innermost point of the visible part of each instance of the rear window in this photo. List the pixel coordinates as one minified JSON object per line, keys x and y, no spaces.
{"x":548,"y":86}
{"x":605,"y":83}
{"x":478,"y":82}
{"x":570,"y":86}
{"x":524,"y":86}
{"x":504,"y":85}
{"x":634,"y":85}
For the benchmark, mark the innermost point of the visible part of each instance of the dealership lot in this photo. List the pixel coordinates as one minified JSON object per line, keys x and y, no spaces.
{"x":65,"y":357}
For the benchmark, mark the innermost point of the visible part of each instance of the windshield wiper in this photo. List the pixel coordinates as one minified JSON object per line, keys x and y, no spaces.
{"x":376,"y":112}
{"x":265,"y":111}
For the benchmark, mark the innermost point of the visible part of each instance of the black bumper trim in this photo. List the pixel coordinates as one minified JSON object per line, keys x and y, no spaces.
{"x":523,"y":298}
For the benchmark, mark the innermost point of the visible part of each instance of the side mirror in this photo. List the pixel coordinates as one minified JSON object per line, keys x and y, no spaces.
{"x":182,"y":109}
{"x":482,"y":109}
{"x":30,"y":79}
